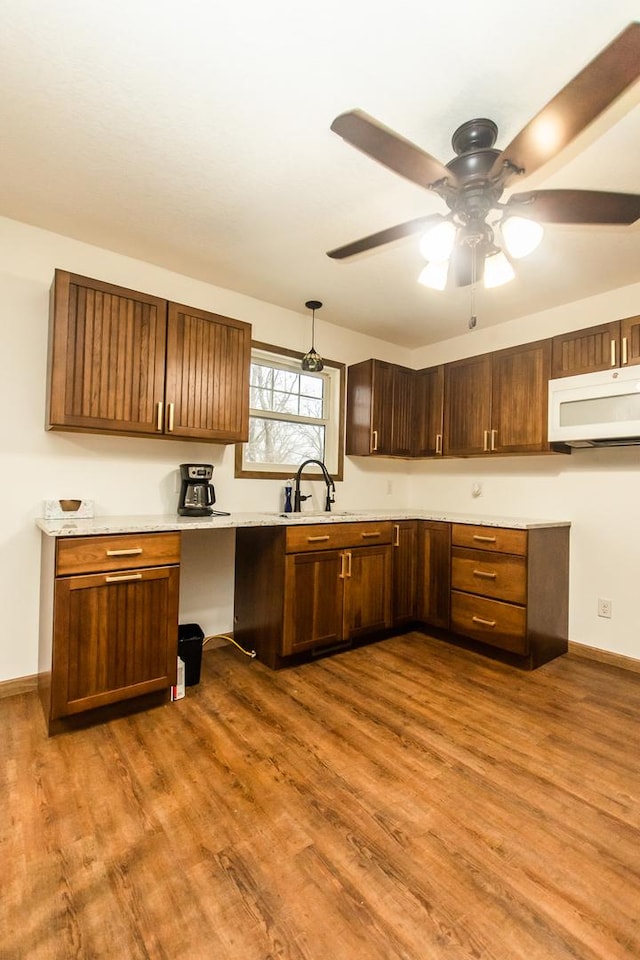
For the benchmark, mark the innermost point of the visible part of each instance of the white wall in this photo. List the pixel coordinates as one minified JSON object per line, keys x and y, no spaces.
{"x":130,"y":475}
{"x":593,"y":489}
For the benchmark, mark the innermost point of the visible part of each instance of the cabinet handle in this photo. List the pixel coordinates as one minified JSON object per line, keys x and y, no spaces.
{"x":341,"y":574}
{"x":624,"y":351}
{"x":613,"y":353}
{"x":127,"y":576}
{"x":374,"y":441}
{"x":494,"y":439}
{"x":170,"y":408}
{"x":368,"y":536}
{"x":317,"y":539}
{"x":438,"y":443}
{"x":159,"y":412}
{"x":478,"y":536}
{"x":348,"y":555}
{"x":485,"y":442}
{"x":396,"y":534}
{"x":485,"y":623}
{"x":485,"y":574}
{"x":124,"y":553}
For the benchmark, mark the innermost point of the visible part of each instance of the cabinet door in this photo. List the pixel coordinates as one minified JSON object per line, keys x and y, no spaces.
{"x":402,"y":425}
{"x":207,"y":383}
{"x":115,"y":637}
{"x":405,"y":548}
{"x":382,"y":439}
{"x":428,"y":411}
{"x":434,"y":572}
{"x":106,"y":357}
{"x":313,"y":600}
{"x":467,"y":399}
{"x":630,"y":341}
{"x":519,"y":398}
{"x":367,"y":590}
{"x":583,"y":351}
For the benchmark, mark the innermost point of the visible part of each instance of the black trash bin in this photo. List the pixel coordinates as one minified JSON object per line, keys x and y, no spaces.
{"x":190,"y":637}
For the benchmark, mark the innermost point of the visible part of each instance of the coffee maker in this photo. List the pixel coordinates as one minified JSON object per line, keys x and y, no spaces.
{"x":196,"y":493}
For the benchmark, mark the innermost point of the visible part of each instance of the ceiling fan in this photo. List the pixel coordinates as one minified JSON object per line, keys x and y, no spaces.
{"x":461,"y":246}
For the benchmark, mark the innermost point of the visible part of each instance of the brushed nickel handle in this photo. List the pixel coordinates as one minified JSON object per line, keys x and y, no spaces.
{"x":170,"y":409}
{"x":485,"y":442}
{"x":124,"y":553}
{"x":374,"y":441}
{"x":494,"y":439}
{"x":438,"y":443}
{"x":128,"y":576}
{"x":159,"y":414}
{"x":485,"y":574}
{"x":368,"y":536}
{"x":396,"y":534}
{"x":317,"y":539}
{"x":485,"y":623}
{"x":625,"y":359}
{"x":613,"y":353}
{"x":478,"y":536}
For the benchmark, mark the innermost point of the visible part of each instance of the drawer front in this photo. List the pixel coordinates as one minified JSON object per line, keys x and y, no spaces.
{"x":121,"y":552}
{"x":499,"y":624}
{"x":500,"y":539}
{"x":501,"y":576}
{"x":332,"y":536}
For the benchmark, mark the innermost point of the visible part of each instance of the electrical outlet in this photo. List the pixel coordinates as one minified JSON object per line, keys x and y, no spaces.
{"x":604,"y":608}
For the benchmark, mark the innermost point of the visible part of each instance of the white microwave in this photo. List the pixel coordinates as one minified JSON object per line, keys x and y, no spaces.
{"x":596,"y":409}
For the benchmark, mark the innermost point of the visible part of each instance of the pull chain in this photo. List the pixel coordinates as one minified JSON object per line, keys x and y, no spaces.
{"x":474,"y":275}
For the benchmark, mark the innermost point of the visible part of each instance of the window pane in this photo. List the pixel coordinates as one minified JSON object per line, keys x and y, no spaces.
{"x":285,"y":402}
{"x":312,"y":386}
{"x":310,"y":408}
{"x":285,"y":380}
{"x":261,"y":376}
{"x":261,"y":398}
{"x":279,"y":442}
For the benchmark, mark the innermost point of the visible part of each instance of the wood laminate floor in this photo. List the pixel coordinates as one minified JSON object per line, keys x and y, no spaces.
{"x":407,"y":800}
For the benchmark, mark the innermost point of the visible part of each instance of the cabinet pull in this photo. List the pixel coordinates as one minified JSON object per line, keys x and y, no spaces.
{"x":317,"y":539}
{"x":478,"y":536}
{"x":624,"y":351}
{"x":438,"y":443}
{"x":124,"y":553}
{"x":485,"y":623}
{"x":613,"y":353}
{"x":170,"y":409}
{"x":368,"y":536}
{"x":494,"y":439}
{"x":374,"y":441}
{"x":396,"y":534}
{"x":485,"y":574}
{"x":485,"y":442}
{"x":348,"y":555}
{"x":159,"y":412}
{"x":121,"y":579}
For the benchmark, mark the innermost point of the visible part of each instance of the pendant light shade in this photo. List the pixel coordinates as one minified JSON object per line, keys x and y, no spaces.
{"x":521,"y":236}
{"x":497,"y":270}
{"x":312,"y":361}
{"x":436,"y":244}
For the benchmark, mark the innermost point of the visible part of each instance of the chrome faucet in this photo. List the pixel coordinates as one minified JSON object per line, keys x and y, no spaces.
{"x":331,"y":487}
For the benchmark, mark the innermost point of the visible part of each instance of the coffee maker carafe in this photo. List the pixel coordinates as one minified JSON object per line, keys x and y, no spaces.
{"x":196,"y":493}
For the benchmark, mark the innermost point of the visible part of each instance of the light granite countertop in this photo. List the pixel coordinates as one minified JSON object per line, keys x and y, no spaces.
{"x":152,"y":524}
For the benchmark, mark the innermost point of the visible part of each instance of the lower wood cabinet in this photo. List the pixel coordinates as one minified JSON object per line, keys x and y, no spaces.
{"x":111,"y":634}
{"x":405,"y":572}
{"x":434,"y":572}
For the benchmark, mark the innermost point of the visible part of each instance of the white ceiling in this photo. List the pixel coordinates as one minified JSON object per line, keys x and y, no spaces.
{"x":195,"y":135}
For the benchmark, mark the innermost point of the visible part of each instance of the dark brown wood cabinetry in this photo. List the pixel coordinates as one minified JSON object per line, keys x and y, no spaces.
{"x":434,"y":573}
{"x":126,"y":362}
{"x":597,"y":348}
{"x":405,"y":582}
{"x":111,"y":634}
{"x":379,"y":410}
{"x":428,"y":411}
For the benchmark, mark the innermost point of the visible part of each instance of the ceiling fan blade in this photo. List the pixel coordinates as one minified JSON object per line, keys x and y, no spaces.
{"x":576,"y":206}
{"x":393,"y":151}
{"x":582,"y":100}
{"x":384,"y":236}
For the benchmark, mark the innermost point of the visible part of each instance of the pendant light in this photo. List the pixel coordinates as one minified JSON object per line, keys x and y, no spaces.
{"x":312,"y":361}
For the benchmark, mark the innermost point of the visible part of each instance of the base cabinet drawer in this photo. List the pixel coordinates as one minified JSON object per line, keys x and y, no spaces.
{"x":497,"y":576}
{"x":499,"y":624}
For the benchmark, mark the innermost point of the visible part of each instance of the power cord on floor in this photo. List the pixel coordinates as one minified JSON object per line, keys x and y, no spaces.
{"x":224,"y":636}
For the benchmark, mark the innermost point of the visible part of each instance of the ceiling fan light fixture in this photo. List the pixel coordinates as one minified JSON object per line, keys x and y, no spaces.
{"x":521,"y":236}
{"x":437,"y":243}
{"x":497,"y":270}
{"x":312,"y":361}
{"x":434,"y":275}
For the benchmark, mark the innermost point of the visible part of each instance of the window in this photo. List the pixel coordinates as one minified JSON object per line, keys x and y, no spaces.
{"x":293,"y":416}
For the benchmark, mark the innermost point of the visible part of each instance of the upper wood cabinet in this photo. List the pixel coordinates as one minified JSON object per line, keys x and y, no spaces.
{"x":608,"y":345}
{"x":428,"y":411}
{"x":379,"y":409}
{"x":497,"y":402}
{"x":127,"y":362}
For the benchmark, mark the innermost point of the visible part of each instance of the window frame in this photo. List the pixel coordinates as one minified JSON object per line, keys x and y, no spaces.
{"x":243,"y":472}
